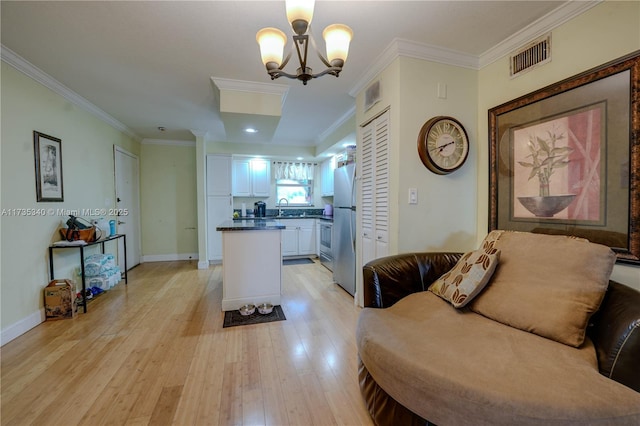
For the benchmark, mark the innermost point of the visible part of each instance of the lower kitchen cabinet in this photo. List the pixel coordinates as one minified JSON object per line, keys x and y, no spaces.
{"x":289,"y":241}
{"x":299,"y":238}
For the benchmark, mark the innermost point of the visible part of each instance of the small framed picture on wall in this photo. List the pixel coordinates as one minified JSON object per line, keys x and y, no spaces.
{"x":48,"y":162}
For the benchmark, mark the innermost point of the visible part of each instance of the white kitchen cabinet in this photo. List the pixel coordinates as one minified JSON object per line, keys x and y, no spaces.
{"x":241,"y":178}
{"x":307,"y":238}
{"x":251,"y":177}
{"x":219,"y":209}
{"x":326,"y":177}
{"x":260,"y":178}
{"x":290,"y":240}
{"x":219,"y":175}
{"x":219,"y":201}
{"x":299,"y":238}
{"x":374,"y":211}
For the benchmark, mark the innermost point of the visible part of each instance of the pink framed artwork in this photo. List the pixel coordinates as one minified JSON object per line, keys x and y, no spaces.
{"x":566,"y":159}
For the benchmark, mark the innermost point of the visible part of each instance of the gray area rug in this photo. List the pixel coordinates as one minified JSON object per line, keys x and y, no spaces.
{"x":234,"y":318}
{"x":303,"y":261}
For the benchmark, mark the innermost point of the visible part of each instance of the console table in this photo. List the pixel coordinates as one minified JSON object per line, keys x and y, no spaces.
{"x":82,"y":247}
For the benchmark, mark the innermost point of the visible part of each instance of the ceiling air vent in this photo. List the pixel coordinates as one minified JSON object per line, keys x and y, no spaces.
{"x":536,"y":53}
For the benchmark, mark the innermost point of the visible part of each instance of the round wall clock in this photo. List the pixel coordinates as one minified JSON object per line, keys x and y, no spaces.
{"x":443,"y":145}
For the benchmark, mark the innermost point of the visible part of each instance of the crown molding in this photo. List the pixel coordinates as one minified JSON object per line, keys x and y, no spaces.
{"x":550,"y":21}
{"x":401,"y":47}
{"x":19,"y":63}
{"x":168,"y":142}
{"x":199,"y":133}
{"x":252,"y":86}
{"x":339,"y":122}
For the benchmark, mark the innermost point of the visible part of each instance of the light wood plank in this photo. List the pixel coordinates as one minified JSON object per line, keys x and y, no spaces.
{"x":155,"y":352}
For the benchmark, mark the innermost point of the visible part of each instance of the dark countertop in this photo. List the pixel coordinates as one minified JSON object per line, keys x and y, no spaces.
{"x":285,"y":217}
{"x":267,"y":224}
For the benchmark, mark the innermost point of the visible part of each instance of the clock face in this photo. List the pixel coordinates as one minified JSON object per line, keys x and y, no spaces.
{"x":443,"y":145}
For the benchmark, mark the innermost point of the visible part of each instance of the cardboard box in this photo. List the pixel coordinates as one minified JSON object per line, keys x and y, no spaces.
{"x":59,"y":300}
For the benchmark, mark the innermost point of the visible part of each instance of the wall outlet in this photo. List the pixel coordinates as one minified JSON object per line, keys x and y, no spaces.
{"x":413,"y":195}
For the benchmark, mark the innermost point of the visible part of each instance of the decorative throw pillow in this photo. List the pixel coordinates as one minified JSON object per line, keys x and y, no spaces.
{"x":467,"y":279}
{"x":549,"y":285}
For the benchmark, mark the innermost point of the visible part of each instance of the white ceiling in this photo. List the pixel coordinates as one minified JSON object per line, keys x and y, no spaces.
{"x":149,"y":64}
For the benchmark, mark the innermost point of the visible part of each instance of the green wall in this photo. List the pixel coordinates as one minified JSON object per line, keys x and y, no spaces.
{"x":88,"y":177}
{"x":168,"y":201}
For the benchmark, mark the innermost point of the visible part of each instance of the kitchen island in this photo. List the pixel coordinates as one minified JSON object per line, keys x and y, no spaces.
{"x":251,"y":262}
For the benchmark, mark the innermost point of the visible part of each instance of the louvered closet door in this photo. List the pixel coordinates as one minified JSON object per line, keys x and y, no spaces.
{"x":366,"y":208}
{"x":374,"y":208}
{"x":381,"y":204}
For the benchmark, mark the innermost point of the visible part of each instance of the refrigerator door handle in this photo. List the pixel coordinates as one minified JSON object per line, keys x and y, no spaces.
{"x":353,"y":188}
{"x":352,"y":233}
{"x":353,"y":209}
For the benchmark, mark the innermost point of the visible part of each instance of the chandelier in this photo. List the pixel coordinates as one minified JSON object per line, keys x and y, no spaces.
{"x":299,"y":13}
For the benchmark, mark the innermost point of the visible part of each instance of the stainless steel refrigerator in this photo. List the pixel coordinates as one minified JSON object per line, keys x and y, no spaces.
{"x":344,"y":227}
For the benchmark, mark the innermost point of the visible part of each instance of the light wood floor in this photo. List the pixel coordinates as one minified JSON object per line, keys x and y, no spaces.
{"x":154,"y":352}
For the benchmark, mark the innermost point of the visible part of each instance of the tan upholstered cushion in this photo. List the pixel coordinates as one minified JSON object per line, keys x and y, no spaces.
{"x":467,"y":279}
{"x":549,"y":285}
{"x":455,"y":367}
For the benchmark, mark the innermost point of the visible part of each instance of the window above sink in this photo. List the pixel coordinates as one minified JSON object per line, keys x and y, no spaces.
{"x":297,"y":192}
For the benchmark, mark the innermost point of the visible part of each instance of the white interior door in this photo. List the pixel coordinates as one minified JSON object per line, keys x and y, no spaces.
{"x":128,"y":203}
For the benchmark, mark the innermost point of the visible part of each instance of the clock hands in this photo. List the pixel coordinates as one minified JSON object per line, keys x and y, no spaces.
{"x":440,"y":148}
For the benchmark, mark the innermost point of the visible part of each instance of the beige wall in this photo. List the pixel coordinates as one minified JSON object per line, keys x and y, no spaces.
{"x":603,"y":33}
{"x":168,"y":202}
{"x":445,"y":216}
{"x":390,"y":85}
{"x":88,"y":177}
{"x":452,"y":211}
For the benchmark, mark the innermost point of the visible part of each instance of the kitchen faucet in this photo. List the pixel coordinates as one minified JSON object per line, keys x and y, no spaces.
{"x":280,"y":205}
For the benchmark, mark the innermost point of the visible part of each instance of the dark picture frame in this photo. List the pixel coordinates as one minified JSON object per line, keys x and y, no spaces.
{"x":48,"y":163}
{"x":565,"y":159}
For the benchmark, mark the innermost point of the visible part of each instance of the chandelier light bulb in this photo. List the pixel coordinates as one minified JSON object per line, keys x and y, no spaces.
{"x":271,"y":41}
{"x":299,"y":14}
{"x":337,"y":38}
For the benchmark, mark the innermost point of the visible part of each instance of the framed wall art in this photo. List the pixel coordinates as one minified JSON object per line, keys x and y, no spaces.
{"x":566,"y":159}
{"x":48,"y":162}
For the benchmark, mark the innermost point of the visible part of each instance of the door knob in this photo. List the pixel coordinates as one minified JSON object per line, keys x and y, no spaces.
{"x":121,"y":223}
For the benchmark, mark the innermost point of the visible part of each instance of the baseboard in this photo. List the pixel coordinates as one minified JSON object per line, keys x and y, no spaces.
{"x":203,"y":265}
{"x":168,"y":257}
{"x":19,"y":328}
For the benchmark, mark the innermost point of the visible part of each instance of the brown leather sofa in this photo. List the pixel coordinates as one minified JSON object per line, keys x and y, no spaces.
{"x":614,"y":331}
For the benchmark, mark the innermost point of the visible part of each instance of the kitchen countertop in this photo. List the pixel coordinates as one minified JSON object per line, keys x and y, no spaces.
{"x":285,"y":217}
{"x":266,"y":224}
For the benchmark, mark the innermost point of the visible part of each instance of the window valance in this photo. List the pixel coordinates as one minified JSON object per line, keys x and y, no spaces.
{"x":296,"y":171}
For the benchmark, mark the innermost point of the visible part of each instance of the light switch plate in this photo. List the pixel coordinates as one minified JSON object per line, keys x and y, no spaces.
{"x":442,"y":90}
{"x":413,"y":195}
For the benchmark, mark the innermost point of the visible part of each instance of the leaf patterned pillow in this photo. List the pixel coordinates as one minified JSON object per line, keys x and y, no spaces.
{"x":467,"y":279}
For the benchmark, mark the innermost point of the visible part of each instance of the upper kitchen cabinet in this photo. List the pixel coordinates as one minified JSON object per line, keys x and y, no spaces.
{"x":218,"y":175}
{"x":326,"y":176}
{"x":251,"y":177}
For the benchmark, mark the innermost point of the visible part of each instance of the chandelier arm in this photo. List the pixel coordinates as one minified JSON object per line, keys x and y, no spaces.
{"x":324,"y":60}
{"x":315,"y":47}
{"x":331,"y":70}
{"x":279,"y":73}
{"x":302,"y":56}
{"x":286,"y":61}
